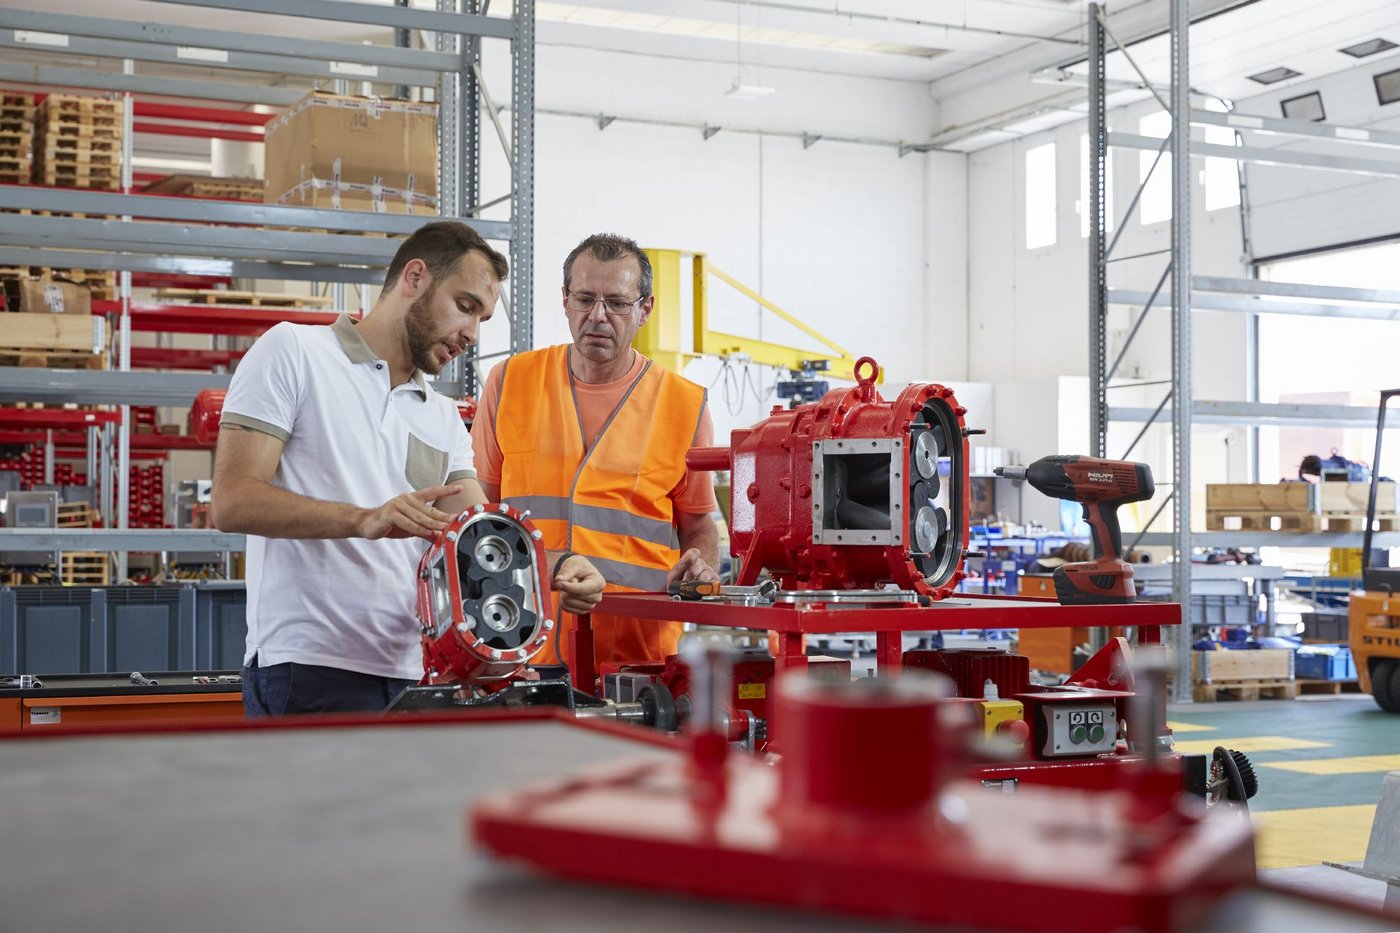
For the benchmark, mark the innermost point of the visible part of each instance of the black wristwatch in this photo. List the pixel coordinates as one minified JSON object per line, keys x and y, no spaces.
{"x":560,"y":562}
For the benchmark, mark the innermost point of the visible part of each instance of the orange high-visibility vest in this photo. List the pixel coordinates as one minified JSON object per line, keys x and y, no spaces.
{"x":610,"y":502}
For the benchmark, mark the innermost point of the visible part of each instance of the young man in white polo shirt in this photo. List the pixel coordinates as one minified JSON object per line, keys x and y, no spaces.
{"x":334,"y":456}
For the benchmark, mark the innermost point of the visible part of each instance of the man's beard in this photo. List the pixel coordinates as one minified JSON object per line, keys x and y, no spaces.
{"x":422,"y":340}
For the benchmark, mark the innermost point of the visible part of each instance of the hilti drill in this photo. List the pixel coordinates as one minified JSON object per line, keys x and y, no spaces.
{"x":1101,"y":486}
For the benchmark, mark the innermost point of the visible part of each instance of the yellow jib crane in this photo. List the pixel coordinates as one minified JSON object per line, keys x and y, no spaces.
{"x":661,"y":338}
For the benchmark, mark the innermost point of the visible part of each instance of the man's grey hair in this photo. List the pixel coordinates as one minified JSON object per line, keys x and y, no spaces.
{"x":607,"y":247}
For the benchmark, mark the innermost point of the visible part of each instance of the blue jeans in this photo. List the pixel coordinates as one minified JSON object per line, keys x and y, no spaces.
{"x":305,"y":688}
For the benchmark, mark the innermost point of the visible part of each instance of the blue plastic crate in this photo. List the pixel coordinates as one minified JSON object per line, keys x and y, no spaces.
{"x":1324,"y":662}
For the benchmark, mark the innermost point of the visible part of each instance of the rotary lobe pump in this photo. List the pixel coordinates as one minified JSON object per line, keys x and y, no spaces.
{"x":852,"y":491}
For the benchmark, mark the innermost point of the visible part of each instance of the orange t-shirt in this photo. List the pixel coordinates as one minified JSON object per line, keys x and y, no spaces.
{"x":694,"y":494}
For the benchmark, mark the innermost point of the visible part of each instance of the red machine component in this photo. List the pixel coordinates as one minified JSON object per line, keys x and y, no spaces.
{"x":852,"y":491}
{"x":205,"y":413}
{"x":483,"y":606}
{"x":749,"y":709}
{"x":971,"y":668}
{"x":865,"y":814}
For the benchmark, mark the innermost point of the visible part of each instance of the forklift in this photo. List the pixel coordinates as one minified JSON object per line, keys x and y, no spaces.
{"x":1373,"y":615}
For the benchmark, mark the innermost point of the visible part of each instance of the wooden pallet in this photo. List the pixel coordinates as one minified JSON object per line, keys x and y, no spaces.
{"x":1242,"y":520}
{"x":1244,"y":690}
{"x":78,"y":109}
{"x":200,"y":296}
{"x":76,"y":515}
{"x":16,"y":100}
{"x":198,"y":186}
{"x":1327,"y":687}
{"x":57,"y":359}
{"x":86,"y":568}
{"x":65,"y":177}
{"x":90,"y":152}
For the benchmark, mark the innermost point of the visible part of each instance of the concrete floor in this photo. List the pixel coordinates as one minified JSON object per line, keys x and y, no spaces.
{"x":1320,"y":761}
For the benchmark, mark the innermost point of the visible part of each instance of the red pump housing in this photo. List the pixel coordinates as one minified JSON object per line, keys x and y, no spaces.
{"x":851,"y":491}
{"x":483,"y":607}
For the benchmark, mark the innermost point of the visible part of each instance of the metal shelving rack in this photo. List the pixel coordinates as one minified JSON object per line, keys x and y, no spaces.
{"x":261,"y":241}
{"x":1208,"y":293}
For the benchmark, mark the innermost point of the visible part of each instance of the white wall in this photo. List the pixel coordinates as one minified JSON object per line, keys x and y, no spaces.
{"x":1298,"y":209}
{"x":837,"y":234}
{"x":1029,"y":324}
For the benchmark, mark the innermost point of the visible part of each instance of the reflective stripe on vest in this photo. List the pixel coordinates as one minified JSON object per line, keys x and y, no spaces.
{"x":597,"y":518}
{"x":612,"y":502}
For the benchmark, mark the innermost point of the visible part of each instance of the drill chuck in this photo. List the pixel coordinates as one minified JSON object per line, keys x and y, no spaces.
{"x":1011,"y":472}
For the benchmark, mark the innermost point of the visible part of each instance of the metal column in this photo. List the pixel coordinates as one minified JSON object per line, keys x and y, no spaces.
{"x":1098,"y":268}
{"x":522,"y":192}
{"x":469,"y":165}
{"x":1181,"y":341}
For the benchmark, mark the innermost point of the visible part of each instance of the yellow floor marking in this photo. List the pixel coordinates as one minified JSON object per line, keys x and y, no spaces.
{"x":1289,"y":838}
{"x":1250,"y":743}
{"x":1360,"y":764}
{"x":1188,"y":727}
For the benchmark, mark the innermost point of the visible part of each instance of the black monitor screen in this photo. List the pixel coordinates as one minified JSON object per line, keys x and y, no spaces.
{"x":31,"y":516}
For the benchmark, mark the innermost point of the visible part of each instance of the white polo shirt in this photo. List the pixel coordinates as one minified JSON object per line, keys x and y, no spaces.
{"x":349,"y":437}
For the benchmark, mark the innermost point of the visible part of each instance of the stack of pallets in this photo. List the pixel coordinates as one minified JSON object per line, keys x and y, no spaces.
{"x":78,"y":142}
{"x":16,"y":136}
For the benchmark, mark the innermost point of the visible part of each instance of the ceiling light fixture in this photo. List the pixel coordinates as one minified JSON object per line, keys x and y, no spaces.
{"x":741,"y":91}
{"x":1304,"y":107}
{"x":712,"y":29}
{"x":1387,"y":86}
{"x":1275,"y":75}
{"x":1369,"y":47}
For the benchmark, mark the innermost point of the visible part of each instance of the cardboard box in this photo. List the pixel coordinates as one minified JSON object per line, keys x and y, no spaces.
{"x":57,"y":297}
{"x":353,"y":140}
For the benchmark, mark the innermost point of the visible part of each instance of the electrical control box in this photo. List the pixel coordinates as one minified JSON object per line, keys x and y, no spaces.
{"x":1074,"y":730}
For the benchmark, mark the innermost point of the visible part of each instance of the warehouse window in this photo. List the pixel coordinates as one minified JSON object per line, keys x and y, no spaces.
{"x":1040,"y":196}
{"x":1221,"y":177}
{"x":1323,"y":360}
{"x":1084,"y":188}
{"x":1156,"y":203}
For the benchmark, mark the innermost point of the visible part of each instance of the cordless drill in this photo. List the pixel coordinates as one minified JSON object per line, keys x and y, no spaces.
{"x":1101,"y":486}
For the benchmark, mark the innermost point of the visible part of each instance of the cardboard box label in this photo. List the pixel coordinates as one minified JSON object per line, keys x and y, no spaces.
{"x":53,"y":298}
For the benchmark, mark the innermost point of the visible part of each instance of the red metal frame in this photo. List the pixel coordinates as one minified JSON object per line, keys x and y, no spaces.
{"x":866,"y":813}
{"x":888,"y":623}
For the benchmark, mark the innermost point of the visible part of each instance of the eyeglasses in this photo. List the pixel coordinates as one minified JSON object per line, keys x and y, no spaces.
{"x":582,"y":303}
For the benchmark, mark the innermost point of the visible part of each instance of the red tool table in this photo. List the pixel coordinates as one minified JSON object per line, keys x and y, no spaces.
{"x":888,"y":622}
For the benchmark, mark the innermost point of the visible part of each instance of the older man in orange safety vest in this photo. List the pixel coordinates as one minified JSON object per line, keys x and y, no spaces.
{"x":591,"y":437}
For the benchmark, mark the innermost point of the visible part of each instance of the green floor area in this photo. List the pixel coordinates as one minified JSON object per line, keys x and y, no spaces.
{"x":1320,"y":763}
{"x":1344,"y":726}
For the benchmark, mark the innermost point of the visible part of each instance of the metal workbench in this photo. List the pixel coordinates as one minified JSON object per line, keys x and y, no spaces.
{"x":351,"y":828}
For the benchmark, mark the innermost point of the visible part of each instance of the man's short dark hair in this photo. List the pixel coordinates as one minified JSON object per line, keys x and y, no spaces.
{"x":441,"y":245}
{"x":606,"y":247}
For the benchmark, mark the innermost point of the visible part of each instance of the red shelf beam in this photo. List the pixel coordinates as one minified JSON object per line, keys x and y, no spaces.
{"x":57,"y":419}
{"x":172,"y":358}
{"x":212,"y":319}
{"x":201,"y":114}
{"x":69,"y":442}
